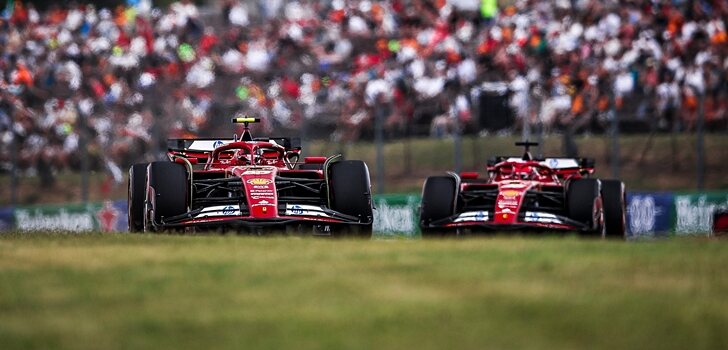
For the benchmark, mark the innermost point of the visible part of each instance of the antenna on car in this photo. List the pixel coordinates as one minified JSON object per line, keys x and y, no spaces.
{"x":527,"y":145}
{"x":245,"y":120}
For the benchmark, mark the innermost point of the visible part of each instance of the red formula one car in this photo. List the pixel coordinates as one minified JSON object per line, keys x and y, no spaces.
{"x":249,"y":184}
{"x":522,"y":193}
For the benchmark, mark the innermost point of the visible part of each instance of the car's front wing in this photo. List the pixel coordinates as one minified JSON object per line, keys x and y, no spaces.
{"x":525,"y":221}
{"x":288,"y":214}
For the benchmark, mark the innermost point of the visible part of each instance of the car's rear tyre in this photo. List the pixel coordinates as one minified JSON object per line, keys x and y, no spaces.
{"x":584,"y":204}
{"x":613,"y":199}
{"x":350,"y":192}
{"x":438,"y":202}
{"x":167,"y":192}
{"x":136,"y":195}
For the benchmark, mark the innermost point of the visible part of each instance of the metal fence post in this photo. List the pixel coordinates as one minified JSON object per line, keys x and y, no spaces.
{"x":700,"y":142}
{"x":615,"y":135}
{"x":14,"y":163}
{"x":379,"y":144}
{"x":83,"y":147}
{"x":458,"y":146}
{"x":539,"y":110}
{"x":304,"y":136}
{"x":407,"y":150}
{"x":475,"y":108}
{"x":526,"y":126}
{"x":539,"y":148}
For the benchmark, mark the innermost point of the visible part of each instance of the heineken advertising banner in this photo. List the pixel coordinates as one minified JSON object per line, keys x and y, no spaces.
{"x":694,"y":212}
{"x":113,"y":216}
{"x":396,"y":215}
{"x":649,"y":214}
{"x":106,"y":216}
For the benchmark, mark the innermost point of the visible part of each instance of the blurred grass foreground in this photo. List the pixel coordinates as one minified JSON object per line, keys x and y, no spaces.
{"x":120,"y":291}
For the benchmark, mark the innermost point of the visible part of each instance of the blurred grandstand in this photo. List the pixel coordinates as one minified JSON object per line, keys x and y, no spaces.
{"x":117,"y":81}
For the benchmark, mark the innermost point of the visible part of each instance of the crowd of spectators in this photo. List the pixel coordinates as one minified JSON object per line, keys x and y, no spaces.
{"x":118,"y":81}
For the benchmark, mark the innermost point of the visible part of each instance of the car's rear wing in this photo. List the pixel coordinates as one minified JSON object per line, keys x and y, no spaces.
{"x":198,"y":151}
{"x":553,"y":163}
{"x":196,"y":145}
{"x":564,"y":167}
{"x":209,"y":144}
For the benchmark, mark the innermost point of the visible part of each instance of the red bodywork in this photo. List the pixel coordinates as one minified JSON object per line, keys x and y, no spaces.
{"x":720,"y":222}
{"x":254,"y":169}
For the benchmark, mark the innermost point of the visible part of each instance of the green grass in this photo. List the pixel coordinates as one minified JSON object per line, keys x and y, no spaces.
{"x":125,"y":291}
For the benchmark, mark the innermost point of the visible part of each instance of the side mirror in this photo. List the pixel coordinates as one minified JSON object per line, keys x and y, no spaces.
{"x":296,"y":143}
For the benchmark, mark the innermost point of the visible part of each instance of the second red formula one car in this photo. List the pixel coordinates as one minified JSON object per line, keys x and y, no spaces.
{"x":523,"y":193}
{"x":249,"y":184}
{"x":720,"y":221}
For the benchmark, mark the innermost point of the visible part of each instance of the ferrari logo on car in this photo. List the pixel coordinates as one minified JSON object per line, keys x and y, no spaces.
{"x":259,"y":181}
{"x":510,"y":194}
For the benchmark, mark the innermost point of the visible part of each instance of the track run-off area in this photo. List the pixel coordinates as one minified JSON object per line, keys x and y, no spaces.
{"x":114,"y":291}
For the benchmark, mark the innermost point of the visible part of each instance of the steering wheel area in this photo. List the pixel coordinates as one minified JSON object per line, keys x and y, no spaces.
{"x":514,"y":171}
{"x":506,"y":172}
{"x":247,"y":153}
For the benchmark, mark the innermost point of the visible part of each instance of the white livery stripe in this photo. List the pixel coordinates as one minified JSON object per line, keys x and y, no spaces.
{"x":305,"y":210}
{"x":553,"y":163}
{"x":207,"y":145}
{"x":219,"y":210}
{"x":544,"y":218}
{"x":472,"y":216}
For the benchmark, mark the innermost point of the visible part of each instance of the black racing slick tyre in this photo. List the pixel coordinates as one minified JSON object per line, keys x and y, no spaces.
{"x":350,"y":193}
{"x":438,"y":202}
{"x":584,"y":204}
{"x":614,"y":201}
{"x":136,"y":195}
{"x":167,"y":192}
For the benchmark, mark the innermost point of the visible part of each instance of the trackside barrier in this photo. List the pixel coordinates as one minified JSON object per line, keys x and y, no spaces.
{"x":396,"y":215}
{"x":649,"y":214}
{"x":102,"y":216}
{"x":694,"y":212}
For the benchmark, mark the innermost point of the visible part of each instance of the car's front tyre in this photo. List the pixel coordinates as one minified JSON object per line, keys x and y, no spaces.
{"x":350,"y":193}
{"x":614,"y":201}
{"x":584,"y":204}
{"x":438,"y":202}
{"x":166,"y":193}
{"x":136,"y":196}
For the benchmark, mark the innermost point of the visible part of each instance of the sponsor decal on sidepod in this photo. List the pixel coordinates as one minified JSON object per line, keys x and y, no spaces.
{"x":259,"y":181}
